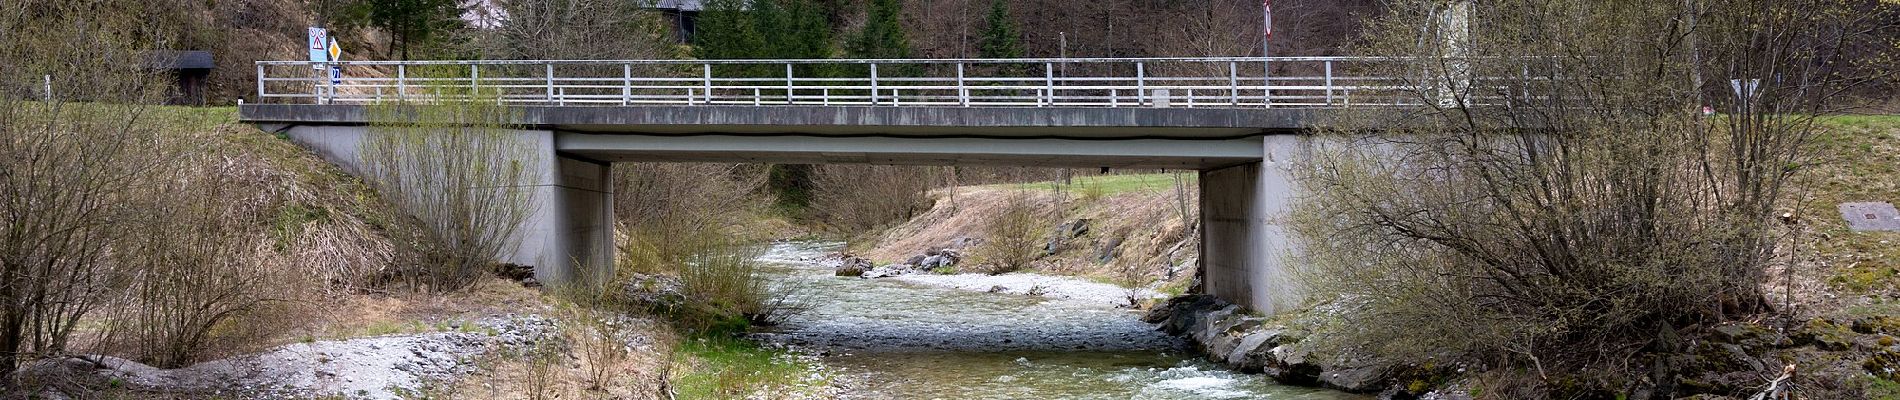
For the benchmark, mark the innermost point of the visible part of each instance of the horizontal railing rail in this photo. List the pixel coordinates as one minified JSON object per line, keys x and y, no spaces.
{"x":1214,"y":82}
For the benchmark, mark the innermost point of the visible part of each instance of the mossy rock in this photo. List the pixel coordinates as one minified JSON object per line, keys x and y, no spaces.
{"x":1884,"y":364}
{"x":1825,"y":335}
{"x":1877,"y":324}
{"x":1747,"y":335}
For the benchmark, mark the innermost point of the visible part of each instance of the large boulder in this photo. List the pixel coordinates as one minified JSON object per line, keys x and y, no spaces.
{"x":849,"y":265}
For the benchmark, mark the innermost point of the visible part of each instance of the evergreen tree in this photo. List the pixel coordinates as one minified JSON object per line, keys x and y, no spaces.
{"x":1000,"y":39}
{"x":883,"y":34}
{"x":409,"y":23}
{"x":725,"y":30}
{"x":739,"y":29}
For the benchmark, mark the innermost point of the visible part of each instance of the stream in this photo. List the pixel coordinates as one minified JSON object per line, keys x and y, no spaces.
{"x":897,"y":339}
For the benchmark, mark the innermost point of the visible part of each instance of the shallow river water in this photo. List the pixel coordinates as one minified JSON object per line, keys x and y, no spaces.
{"x":893,"y":339}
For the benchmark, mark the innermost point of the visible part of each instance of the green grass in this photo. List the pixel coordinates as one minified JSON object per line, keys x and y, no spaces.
{"x":1882,"y":389}
{"x":1109,"y":185}
{"x":194,"y":117}
{"x":731,"y":368}
{"x":1853,"y":158}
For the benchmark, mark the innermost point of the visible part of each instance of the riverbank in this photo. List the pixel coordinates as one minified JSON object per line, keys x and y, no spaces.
{"x":945,"y":336}
{"x":1831,"y":335}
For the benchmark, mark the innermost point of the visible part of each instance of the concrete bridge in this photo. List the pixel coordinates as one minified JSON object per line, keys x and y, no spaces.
{"x":1223,"y":117}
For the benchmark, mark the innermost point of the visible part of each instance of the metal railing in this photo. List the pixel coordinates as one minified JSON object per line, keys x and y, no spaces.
{"x":1233,"y":82}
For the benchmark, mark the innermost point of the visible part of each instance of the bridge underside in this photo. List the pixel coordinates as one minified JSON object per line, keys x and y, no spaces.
{"x":1246,"y":159}
{"x":1066,"y":153}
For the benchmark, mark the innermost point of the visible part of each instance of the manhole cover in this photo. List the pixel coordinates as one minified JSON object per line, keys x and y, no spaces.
{"x":1871,"y":216}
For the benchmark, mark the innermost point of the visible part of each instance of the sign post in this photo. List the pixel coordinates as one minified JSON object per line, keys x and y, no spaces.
{"x":1266,"y":41}
{"x":319,"y":45}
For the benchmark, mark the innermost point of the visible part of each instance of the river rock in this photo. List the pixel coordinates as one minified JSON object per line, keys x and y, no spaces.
{"x":657,"y":291}
{"x":851,"y":266}
{"x":889,"y":271}
{"x":1250,"y":355}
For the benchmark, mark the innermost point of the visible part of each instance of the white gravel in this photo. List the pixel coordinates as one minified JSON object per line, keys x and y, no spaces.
{"x":1056,"y":287}
{"x":381,"y":367}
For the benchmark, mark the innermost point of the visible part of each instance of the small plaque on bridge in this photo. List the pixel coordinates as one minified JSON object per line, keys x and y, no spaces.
{"x":1878,"y":216}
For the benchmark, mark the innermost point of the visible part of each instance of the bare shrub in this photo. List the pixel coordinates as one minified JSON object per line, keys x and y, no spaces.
{"x":1572,"y":203}
{"x":665,"y":209}
{"x":201,"y":264}
{"x":454,"y":164}
{"x":570,"y":30}
{"x":1012,"y":237}
{"x":74,"y":161}
{"x":724,"y":278}
{"x":860,"y":198}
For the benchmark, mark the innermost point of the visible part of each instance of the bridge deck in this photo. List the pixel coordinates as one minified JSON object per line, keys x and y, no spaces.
{"x":1054,"y":137}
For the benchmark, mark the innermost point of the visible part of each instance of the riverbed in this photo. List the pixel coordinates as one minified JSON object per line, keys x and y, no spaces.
{"x":928,"y":339}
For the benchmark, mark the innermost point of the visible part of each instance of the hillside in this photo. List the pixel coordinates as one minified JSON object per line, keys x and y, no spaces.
{"x":1133,"y":229}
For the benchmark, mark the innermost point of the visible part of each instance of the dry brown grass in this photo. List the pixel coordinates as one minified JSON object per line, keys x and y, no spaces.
{"x":946,"y":221}
{"x":1151,"y":231}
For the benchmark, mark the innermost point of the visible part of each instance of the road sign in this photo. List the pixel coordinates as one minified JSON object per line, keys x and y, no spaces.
{"x":336,"y":75}
{"x":319,"y":45}
{"x":336,"y":52}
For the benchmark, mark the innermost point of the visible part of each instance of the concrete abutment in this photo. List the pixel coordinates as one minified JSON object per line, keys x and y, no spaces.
{"x":1246,"y":245}
{"x":568,"y":233}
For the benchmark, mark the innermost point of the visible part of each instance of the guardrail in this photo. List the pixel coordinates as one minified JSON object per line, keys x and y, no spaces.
{"x":1233,"y":82}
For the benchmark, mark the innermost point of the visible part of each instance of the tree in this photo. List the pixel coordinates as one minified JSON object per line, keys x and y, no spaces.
{"x":883,"y":33}
{"x":1000,"y":39}
{"x":573,"y":30}
{"x":73,"y":161}
{"x":409,"y":23}
{"x":1575,"y":204}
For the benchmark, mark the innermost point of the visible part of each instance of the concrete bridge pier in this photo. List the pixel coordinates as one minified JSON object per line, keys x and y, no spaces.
{"x":1246,"y":245}
{"x":567,"y":236}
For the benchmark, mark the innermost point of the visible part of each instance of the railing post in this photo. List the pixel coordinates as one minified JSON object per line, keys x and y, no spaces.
{"x":550,"y":69}
{"x":755,"y":96}
{"x":626,"y":84}
{"x":1329,"y":82}
{"x":1233,"y":83}
{"x":260,"y":85}
{"x":706,"y":82}
{"x":788,"y":83}
{"x":963,"y":92}
{"x":1114,"y":98}
{"x":1141,"y":85}
{"x":1049,"y":83}
{"x":402,"y":82}
{"x":874,"y":84}
{"x":1266,"y":82}
{"x":474,"y":81}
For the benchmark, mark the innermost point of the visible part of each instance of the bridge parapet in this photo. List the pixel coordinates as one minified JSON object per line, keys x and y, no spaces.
{"x":1217,"y":82}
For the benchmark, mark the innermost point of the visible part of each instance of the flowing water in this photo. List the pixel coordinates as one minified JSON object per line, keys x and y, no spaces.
{"x":893,"y":339}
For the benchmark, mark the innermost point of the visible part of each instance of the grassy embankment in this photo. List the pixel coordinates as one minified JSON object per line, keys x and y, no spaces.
{"x":342,"y":230}
{"x":1857,"y":158}
{"x":1844,"y":275}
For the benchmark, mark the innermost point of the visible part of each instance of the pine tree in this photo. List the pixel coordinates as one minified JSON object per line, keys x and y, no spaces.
{"x":410,"y":23}
{"x":1000,"y":39}
{"x":726,"y":30}
{"x":883,"y":34}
